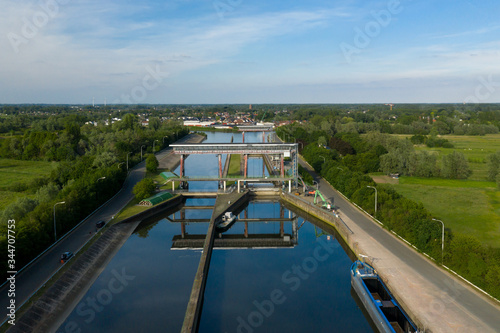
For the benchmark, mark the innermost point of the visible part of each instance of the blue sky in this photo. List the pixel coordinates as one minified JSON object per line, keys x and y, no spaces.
{"x":242,"y":51}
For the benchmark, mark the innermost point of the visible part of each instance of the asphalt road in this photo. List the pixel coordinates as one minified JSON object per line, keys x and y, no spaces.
{"x":474,"y":303}
{"x":36,"y":275}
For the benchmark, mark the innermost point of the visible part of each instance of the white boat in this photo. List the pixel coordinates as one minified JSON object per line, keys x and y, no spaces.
{"x":227,"y":219}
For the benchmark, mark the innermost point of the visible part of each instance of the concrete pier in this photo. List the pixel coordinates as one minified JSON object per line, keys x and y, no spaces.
{"x":223,"y":203}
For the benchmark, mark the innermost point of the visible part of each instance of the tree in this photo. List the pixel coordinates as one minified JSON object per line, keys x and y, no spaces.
{"x":152,"y":163}
{"x":493,"y":166}
{"x":105,"y":159}
{"x":19,"y":208}
{"x":322,"y":141}
{"x":343,"y":147}
{"x":154,"y":123}
{"x":144,"y":189}
{"x":455,"y":166}
{"x":47,"y":193}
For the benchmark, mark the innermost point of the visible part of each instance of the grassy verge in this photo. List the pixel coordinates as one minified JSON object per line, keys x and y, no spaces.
{"x":131,"y":209}
{"x":466,"y":207}
{"x":234,"y":165}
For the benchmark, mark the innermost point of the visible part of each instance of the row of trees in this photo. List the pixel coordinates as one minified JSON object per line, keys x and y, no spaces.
{"x":346,"y":172}
{"x":92,"y":166}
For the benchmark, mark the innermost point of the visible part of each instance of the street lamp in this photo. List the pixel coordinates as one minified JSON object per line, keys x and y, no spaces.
{"x":164,"y":139}
{"x":442,"y":240}
{"x":55,"y":230}
{"x":97,"y":192}
{"x":120,"y":164}
{"x":373,"y":187}
{"x":141,"y":150}
{"x":154,"y":146}
{"x":340,"y":168}
{"x":127,"y":159}
{"x":324,"y":160}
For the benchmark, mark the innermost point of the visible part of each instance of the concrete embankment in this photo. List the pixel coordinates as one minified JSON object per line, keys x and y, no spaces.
{"x":224,"y":202}
{"x":226,"y":166}
{"x":172,"y":161}
{"x":269,"y":166}
{"x":51,"y":309}
{"x":432,"y":307}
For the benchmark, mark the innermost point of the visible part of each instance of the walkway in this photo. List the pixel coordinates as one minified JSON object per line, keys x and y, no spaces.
{"x":223,"y":203}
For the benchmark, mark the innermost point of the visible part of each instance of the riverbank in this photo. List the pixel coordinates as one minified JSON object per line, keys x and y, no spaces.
{"x":432,"y":297}
{"x":48,"y":312}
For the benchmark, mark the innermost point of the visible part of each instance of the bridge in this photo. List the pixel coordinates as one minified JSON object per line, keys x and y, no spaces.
{"x":283,"y":150}
{"x":256,"y":128}
{"x":237,"y":241}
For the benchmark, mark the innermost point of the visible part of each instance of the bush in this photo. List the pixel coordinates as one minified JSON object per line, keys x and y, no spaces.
{"x":144,"y":189}
{"x":152,"y":163}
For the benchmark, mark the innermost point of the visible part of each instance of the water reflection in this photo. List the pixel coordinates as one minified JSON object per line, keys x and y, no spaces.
{"x":208,"y":165}
{"x":270,"y":231}
{"x":304,"y":288}
{"x":252,"y":287}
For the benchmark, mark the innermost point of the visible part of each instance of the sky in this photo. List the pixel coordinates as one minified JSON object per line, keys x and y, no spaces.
{"x":249,"y":52}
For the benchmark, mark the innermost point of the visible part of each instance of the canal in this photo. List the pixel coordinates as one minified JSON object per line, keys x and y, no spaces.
{"x":253,"y":286}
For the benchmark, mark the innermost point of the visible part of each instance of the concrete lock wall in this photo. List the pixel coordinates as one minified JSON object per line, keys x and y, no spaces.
{"x":322,"y":214}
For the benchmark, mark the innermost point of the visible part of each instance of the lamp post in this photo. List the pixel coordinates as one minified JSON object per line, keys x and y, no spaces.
{"x":120,"y":164}
{"x":164,"y":139}
{"x":373,"y":187}
{"x":324,"y":160}
{"x":154,"y":146}
{"x":127,"y":159}
{"x":97,"y":192}
{"x":55,"y":229}
{"x":141,"y":150}
{"x":442,"y":240}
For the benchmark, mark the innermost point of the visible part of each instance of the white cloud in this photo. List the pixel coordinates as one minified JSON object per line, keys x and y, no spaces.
{"x":100,"y":54}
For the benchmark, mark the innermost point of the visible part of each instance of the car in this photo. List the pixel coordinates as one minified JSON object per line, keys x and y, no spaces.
{"x":100,"y":224}
{"x":66,"y":256}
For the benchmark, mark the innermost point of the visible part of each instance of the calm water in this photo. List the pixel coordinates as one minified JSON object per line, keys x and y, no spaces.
{"x":304,"y":287}
{"x":208,"y":165}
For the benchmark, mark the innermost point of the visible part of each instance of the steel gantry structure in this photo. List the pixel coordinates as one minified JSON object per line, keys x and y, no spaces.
{"x":284,"y":150}
{"x":256,"y":128}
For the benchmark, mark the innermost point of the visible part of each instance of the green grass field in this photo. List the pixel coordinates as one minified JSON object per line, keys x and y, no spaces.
{"x":8,"y":197}
{"x":15,"y":171}
{"x":465,"y":207}
{"x":469,"y":206}
{"x":475,"y":148}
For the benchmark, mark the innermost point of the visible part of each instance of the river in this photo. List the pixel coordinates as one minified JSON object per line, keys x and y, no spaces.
{"x":298,"y":286}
